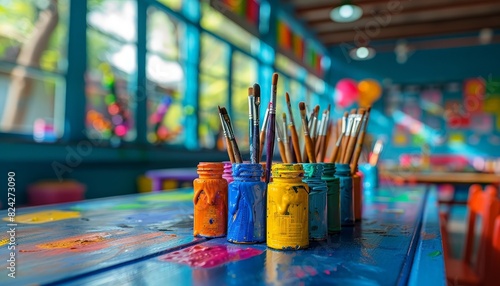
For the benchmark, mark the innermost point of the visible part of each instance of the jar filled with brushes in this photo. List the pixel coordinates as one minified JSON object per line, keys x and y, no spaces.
{"x":228,"y":171}
{"x":210,"y":201}
{"x":318,"y":226}
{"x":287,"y":208}
{"x":247,"y":197}
{"x":332,"y":198}
{"x":346,"y":198}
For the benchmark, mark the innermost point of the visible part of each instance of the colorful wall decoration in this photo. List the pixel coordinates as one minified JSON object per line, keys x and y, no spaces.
{"x":452,"y":118}
{"x":243,"y":12}
{"x":295,"y":45}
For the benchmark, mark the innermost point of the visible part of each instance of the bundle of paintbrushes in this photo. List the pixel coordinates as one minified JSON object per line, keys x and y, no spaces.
{"x":257,"y":140}
{"x":351,"y":129}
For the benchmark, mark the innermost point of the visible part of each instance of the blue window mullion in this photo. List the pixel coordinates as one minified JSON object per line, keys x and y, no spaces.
{"x":141,"y":91}
{"x":75,"y":103}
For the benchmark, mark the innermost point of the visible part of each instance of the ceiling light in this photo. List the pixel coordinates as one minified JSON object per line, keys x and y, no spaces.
{"x":362,"y":53}
{"x":346,"y":12}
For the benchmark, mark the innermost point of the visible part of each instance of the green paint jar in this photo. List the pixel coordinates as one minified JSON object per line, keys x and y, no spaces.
{"x":333,"y":197}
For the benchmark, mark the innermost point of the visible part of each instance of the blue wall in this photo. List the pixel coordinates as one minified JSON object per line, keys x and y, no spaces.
{"x":424,"y":68}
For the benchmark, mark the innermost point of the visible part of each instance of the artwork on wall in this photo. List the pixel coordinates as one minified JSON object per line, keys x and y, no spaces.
{"x":473,"y":93}
{"x":456,"y":138}
{"x":481,"y":123}
{"x":455,"y":116}
{"x":445,"y":116}
{"x":474,"y":139}
{"x":400,"y":138}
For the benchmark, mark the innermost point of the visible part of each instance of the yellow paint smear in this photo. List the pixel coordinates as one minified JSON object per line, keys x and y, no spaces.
{"x":4,"y":241}
{"x":75,"y":242}
{"x":44,"y":216}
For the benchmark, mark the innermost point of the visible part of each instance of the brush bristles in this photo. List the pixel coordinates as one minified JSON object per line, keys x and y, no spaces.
{"x":250,"y":91}
{"x":287,"y":97}
{"x":275,"y":78}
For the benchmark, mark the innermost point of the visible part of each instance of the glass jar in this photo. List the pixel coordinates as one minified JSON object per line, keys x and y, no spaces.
{"x":210,"y":201}
{"x":287,"y":208}
{"x":333,"y":197}
{"x":346,"y":200}
{"x":318,"y":226}
{"x":247,"y":196}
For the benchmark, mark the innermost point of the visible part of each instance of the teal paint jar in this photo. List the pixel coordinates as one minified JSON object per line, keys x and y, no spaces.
{"x":346,"y":199}
{"x":247,"y":197}
{"x":318,"y":225}
{"x":332,"y":198}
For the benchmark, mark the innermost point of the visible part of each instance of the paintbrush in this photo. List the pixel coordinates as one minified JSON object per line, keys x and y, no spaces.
{"x":376,"y":152}
{"x":347,"y":136}
{"x":281,"y":144}
{"x":288,"y":150}
{"x":313,"y":132}
{"x":262,"y":136}
{"x":232,"y":139}
{"x":256,"y":121}
{"x":293,"y":131}
{"x":251,"y":116}
{"x":307,"y":139}
{"x":361,"y":139}
{"x":270,"y":135}
{"x":321,"y":146}
{"x":354,"y":135}
{"x":341,"y":125}
{"x":229,"y":147}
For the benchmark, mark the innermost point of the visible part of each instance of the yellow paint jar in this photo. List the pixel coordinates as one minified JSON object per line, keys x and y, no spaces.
{"x":287,"y":208}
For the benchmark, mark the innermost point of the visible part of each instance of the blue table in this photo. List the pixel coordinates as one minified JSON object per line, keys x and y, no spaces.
{"x":146,"y":240}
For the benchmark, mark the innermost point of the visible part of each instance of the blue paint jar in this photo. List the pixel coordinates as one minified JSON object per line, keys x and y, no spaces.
{"x":318,"y":225}
{"x":346,"y":199}
{"x":332,"y":198}
{"x":247,"y":213}
{"x":370,"y":176}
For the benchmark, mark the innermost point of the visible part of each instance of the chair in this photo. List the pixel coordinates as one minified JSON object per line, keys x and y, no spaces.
{"x":492,"y":270}
{"x":471,"y":268}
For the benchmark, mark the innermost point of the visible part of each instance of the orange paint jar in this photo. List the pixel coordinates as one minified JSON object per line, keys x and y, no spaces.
{"x":210,"y":201}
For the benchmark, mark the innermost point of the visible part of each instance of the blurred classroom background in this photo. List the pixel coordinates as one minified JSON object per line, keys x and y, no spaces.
{"x":96,"y":93}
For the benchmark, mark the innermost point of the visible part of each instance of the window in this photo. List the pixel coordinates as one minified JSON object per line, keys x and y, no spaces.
{"x":214,"y":88}
{"x":165,"y":78}
{"x":111,"y":69}
{"x":244,"y":76}
{"x":215,"y":22}
{"x":32,"y":67}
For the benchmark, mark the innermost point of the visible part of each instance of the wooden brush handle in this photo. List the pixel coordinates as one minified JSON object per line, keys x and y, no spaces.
{"x":357,"y":151}
{"x":295,"y":143}
{"x":288,"y":152}
{"x":229,"y":148}
{"x":281,"y":147}
{"x":310,"y":149}
{"x":336,"y":149}
{"x":236,"y":151}
{"x":271,"y":135}
{"x":350,"y":148}
{"x":320,"y":156}
{"x":262,"y":140}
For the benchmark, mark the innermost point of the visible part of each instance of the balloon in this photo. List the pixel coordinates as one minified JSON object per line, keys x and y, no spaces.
{"x":369,"y":92}
{"x":346,"y":92}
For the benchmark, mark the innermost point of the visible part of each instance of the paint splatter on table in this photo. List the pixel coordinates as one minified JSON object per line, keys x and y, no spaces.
{"x":58,"y":242}
{"x":386,"y":248}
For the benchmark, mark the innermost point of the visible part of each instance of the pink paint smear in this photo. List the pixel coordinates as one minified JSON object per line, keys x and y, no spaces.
{"x":209,"y":256}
